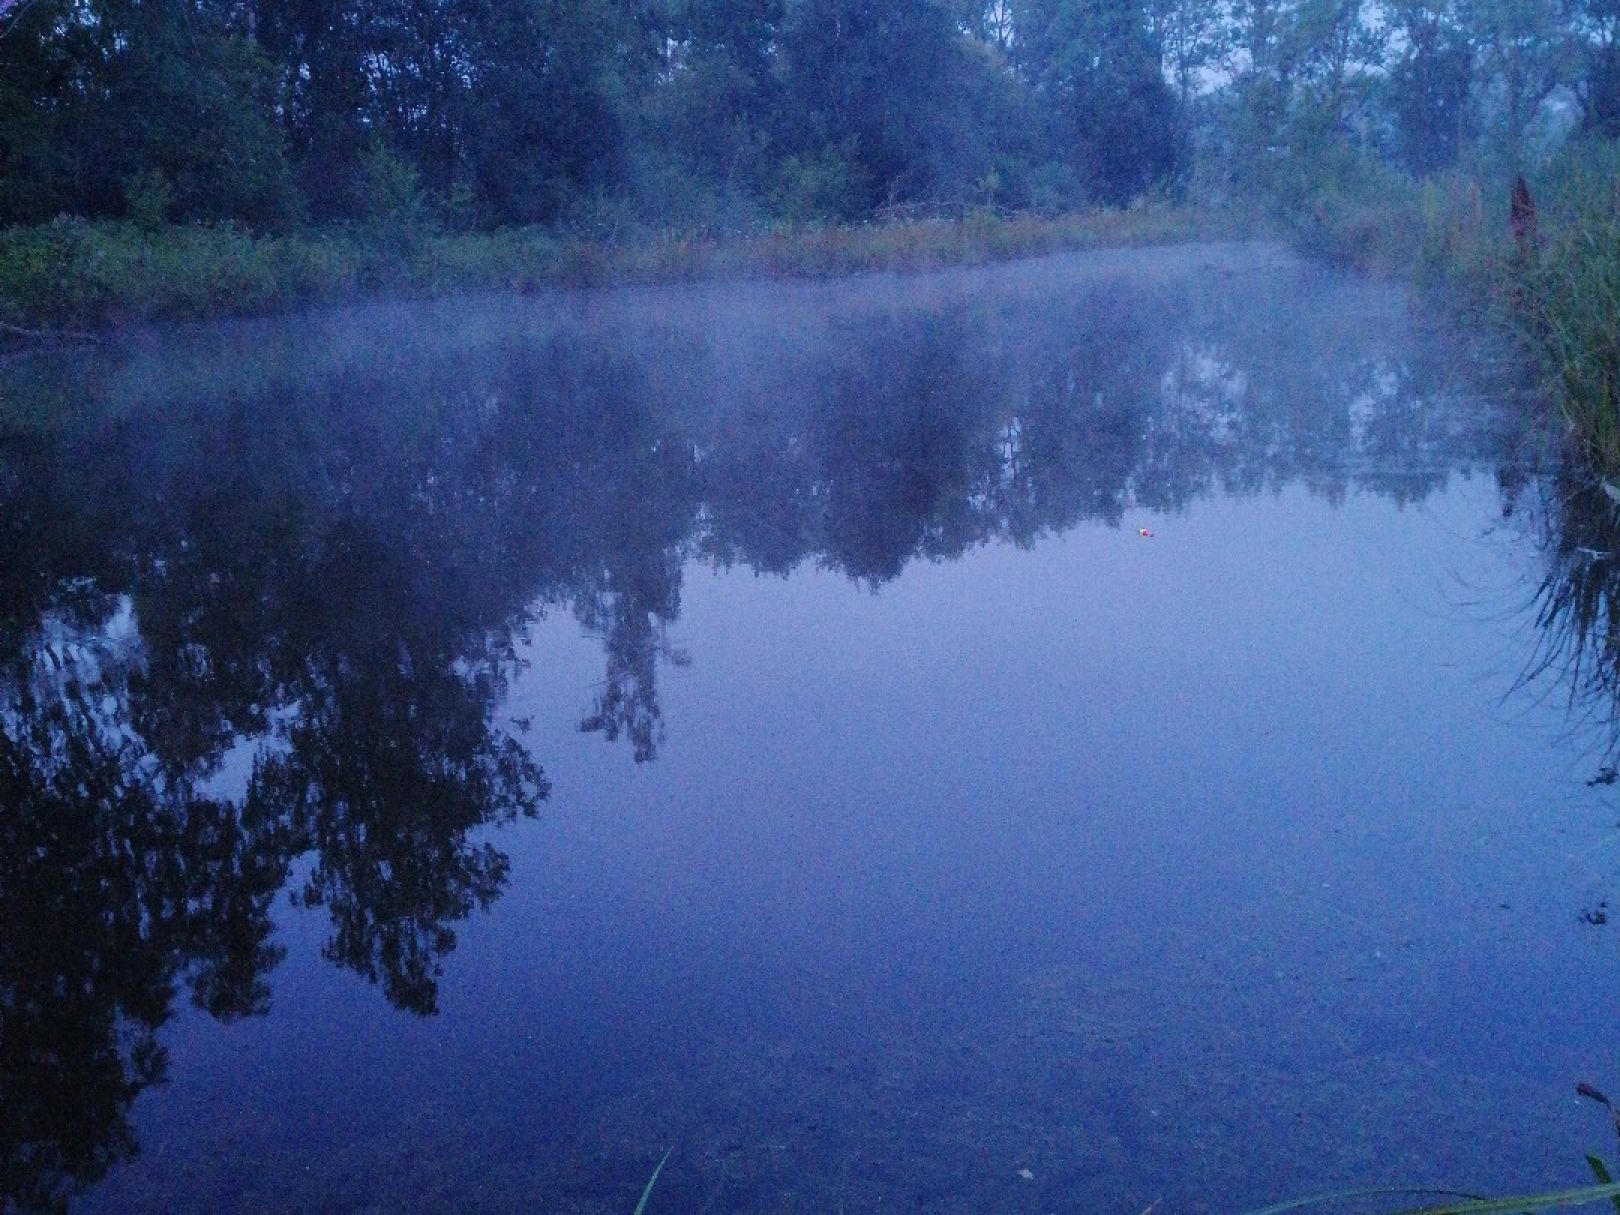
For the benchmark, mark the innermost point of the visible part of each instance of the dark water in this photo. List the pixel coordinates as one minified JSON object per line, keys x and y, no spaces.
{"x":451,"y":754}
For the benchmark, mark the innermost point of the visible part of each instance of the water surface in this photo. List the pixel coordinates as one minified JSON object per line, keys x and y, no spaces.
{"x":451,"y":753}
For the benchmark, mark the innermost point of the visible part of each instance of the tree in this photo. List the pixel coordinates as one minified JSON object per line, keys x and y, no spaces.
{"x":1336,"y":50}
{"x":1096,"y":61}
{"x":321,"y":49}
{"x":1260,"y":60}
{"x":1430,"y":82}
{"x":718,"y":106}
{"x":1190,"y":35}
{"x":110,"y":89}
{"x":881,"y":85}
{"x":1525,"y":49}
{"x":1598,"y":66}
{"x":545,"y":117}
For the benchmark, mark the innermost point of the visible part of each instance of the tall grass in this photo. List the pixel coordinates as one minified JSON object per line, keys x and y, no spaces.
{"x":1567,"y":290}
{"x":1447,"y":231}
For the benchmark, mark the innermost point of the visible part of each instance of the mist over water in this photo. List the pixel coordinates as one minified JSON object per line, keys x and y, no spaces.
{"x":1043,"y":738}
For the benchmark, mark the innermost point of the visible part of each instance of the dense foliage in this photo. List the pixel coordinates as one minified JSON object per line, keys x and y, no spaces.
{"x":704,"y":114}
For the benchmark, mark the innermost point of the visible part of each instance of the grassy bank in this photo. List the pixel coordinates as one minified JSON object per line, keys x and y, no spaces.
{"x":1565,"y":293}
{"x":75,"y":275}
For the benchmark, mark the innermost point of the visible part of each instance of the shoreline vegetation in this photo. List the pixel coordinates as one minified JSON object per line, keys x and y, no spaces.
{"x":74,"y":278}
{"x":1545,"y":268}
{"x":229,"y":158}
{"x":1535,"y":253}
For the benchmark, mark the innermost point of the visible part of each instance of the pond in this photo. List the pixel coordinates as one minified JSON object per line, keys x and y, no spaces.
{"x":1120,"y":729}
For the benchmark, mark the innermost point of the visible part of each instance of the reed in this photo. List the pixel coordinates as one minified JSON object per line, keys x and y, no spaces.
{"x":1566,"y":289}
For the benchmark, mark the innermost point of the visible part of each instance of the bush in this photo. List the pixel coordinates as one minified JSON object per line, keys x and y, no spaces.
{"x":148,"y":197}
{"x":830,"y":185}
{"x":398,"y":217}
{"x":1055,"y":188}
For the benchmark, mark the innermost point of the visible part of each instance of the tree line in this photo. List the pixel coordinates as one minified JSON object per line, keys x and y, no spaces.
{"x":731,"y":112}
{"x":720,"y":114}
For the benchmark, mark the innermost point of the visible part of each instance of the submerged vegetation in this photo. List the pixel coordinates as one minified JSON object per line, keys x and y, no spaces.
{"x":646,"y":1193}
{"x":1585,"y":1196}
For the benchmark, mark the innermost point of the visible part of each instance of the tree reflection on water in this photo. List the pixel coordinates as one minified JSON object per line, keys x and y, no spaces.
{"x":259,"y":615}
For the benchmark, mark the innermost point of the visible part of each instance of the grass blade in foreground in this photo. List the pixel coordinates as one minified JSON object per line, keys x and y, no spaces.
{"x":1469,"y":1206}
{"x":1595,"y":1163}
{"x":653,"y":1180}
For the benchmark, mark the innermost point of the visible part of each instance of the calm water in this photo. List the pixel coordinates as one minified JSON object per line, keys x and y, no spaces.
{"x":450,"y":754}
